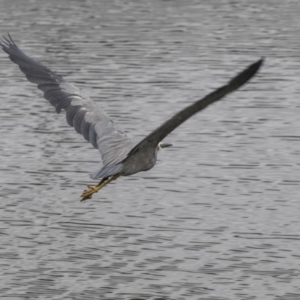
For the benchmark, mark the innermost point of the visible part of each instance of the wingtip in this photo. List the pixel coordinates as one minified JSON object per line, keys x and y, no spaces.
{"x":7,"y":40}
{"x":258,"y":63}
{"x":10,"y":38}
{"x":261,"y":60}
{"x":246,"y":75}
{"x":253,"y":68}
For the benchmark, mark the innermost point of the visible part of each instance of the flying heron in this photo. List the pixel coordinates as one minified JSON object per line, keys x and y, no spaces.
{"x":120,"y":155}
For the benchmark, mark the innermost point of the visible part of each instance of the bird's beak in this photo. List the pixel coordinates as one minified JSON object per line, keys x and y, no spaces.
{"x":166,"y":145}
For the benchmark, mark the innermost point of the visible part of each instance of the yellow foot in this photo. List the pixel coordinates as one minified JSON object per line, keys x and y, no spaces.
{"x":87,"y":194}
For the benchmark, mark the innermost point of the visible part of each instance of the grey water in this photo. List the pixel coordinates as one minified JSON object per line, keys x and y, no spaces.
{"x":218,"y":216}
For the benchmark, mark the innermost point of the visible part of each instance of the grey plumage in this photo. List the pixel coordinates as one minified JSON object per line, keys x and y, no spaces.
{"x":120,"y":155}
{"x":81,"y":112}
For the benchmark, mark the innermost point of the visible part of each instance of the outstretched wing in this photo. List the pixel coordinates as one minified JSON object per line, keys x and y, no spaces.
{"x":161,"y":132}
{"x":81,"y":112}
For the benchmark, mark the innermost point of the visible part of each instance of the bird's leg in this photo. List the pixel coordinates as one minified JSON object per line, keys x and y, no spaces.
{"x":100,"y":183}
{"x":87,"y":194}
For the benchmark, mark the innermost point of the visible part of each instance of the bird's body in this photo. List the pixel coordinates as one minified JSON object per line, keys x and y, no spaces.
{"x":143,"y":160}
{"x":120,"y":155}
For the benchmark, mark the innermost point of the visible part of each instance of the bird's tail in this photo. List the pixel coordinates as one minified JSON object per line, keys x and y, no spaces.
{"x":108,"y":171}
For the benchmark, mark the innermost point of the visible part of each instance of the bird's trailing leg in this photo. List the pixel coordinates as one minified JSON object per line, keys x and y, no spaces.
{"x":87,"y":194}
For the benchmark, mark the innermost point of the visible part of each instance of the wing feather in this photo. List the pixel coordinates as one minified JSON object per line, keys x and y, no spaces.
{"x":81,"y":112}
{"x":161,"y":132}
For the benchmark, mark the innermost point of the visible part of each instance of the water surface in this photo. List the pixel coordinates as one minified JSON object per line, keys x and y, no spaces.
{"x":218,"y":217}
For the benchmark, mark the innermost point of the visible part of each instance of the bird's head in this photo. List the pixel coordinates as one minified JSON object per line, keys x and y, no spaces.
{"x":161,"y":145}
